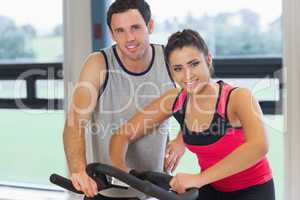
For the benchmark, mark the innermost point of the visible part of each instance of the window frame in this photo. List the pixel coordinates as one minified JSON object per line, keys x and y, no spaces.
{"x":224,"y":68}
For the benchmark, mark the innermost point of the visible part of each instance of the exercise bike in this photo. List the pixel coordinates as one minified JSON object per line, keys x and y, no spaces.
{"x":138,"y":185}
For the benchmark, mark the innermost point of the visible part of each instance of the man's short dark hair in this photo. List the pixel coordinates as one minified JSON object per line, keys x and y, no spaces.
{"x":120,"y":6}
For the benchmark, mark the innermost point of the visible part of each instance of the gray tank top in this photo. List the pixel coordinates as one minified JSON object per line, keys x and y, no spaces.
{"x":124,"y":93}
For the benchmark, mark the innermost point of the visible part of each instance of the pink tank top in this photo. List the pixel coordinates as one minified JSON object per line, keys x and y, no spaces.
{"x":210,"y":147}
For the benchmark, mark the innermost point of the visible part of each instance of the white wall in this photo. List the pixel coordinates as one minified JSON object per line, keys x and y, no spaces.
{"x":291,"y":62}
{"x":77,"y":39}
{"x":77,"y":44}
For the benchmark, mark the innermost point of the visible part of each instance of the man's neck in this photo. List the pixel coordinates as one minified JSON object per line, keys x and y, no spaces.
{"x":137,"y":65}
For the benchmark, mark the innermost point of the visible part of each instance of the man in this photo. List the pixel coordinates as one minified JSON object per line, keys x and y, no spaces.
{"x":113,"y":85}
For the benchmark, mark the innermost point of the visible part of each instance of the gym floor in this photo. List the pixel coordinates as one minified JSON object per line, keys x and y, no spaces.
{"x":11,"y":193}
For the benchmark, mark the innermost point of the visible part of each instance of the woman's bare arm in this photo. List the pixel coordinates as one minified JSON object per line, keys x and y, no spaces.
{"x":255,"y":147}
{"x":140,"y":125}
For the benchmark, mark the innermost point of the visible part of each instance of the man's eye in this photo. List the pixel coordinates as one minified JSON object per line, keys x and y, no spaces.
{"x":119,"y":31}
{"x":136,"y":27}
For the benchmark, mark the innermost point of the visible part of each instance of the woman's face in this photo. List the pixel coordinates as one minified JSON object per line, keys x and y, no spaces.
{"x":189,"y":68}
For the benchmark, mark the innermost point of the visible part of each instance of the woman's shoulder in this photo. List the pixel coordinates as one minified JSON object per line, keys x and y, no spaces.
{"x":241,"y":97}
{"x":240,"y":93}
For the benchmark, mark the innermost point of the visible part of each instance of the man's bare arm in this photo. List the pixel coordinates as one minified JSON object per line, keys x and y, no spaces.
{"x":83,"y":102}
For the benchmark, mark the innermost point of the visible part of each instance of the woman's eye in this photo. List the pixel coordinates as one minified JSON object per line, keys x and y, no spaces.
{"x":195,"y":64}
{"x":177,"y":69}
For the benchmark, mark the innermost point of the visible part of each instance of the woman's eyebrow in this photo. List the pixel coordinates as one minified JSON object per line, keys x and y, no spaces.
{"x":177,"y":65}
{"x":190,"y":62}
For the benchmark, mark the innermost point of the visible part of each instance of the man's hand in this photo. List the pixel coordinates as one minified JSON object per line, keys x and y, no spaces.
{"x":82,"y":182}
{"x":174,"y":152}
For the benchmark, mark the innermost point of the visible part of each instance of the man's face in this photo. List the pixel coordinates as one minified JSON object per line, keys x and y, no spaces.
{"x":130,"y":32}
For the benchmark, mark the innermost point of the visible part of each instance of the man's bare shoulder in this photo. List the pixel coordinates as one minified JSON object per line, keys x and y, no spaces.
{"x":94,"y":69}
{"x":96,"y":61}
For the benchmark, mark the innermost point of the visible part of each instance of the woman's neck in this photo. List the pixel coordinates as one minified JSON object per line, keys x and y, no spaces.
{"x":209,"y":92}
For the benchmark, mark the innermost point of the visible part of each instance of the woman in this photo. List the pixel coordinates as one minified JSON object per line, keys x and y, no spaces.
{"x":222,"y":125}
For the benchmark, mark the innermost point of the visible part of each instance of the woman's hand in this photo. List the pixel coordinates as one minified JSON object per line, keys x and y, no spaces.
{"x":174,"y":152}
{"x":183,"y":181}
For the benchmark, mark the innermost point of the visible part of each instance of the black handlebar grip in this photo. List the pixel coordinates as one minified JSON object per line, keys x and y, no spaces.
{"x":144,"y":186}
{"x":190,"y":194}
{"x":99,"y":178}
{"x":160,"y":179}
{"x":64,"y":183}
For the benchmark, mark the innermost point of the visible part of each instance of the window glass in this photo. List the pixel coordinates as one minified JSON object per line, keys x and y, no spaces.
{"x":12,"y":89}
{"x":235,"y":29}
{"x":31,"y":140}
{"x":31,"y":31}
